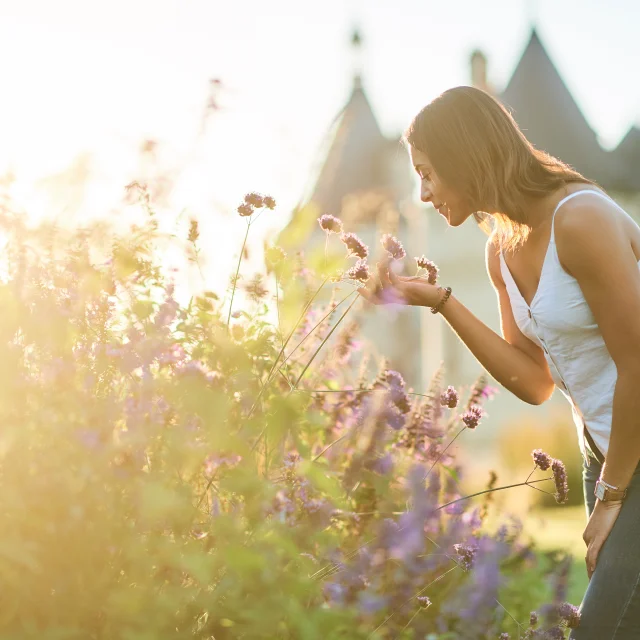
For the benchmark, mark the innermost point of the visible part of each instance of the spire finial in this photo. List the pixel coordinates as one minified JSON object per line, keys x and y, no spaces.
{"x":356,"y":45}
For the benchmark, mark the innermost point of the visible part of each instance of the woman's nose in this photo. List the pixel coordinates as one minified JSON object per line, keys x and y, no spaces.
{"x":425,"y":194}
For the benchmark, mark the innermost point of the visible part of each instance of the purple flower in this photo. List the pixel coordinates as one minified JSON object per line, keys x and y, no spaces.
{"x":382,"y":465}
{"x":449,"y":398}
{"x":245,"y":210}
{"x":541,"y":459}
{"x":330,"y":223}
{"x":554,"y":633}
{"x":504,"y":636}
{"x":533,"y":619}
{"x":359,"y":271}
{"x":354,"y":245}
{"x":570,"y":613}
{"x":393,"y":247}
{"x":254,"y":199}
{"x":467,"y":554}
{"x":393,"y":379}
{"x":393,"y":418}
{"x":472,"y":417}
{"x":560,"y":478}
{"x":432,"y":269}
{"x":424,"y":601}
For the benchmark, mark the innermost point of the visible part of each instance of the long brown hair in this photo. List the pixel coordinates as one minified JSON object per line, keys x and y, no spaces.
{"x":478,"y":150}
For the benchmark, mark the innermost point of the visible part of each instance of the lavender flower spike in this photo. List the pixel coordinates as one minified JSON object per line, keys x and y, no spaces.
{"x":560,"y":477}
{"x":393,"y":247}
{"x":541,"y":459}
{"x":330,"y":223}
{"x":354,"y":245}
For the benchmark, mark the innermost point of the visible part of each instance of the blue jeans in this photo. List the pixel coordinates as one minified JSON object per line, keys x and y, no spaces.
{"x":611,"y":605}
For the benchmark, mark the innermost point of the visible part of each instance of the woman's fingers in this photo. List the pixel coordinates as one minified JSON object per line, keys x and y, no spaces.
{"x":383,"y":273}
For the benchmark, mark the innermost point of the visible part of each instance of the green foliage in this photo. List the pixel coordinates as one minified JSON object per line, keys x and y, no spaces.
{"x":162,"y":475}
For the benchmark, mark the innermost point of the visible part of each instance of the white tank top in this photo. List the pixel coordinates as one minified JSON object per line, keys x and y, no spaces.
{"x":560,"y":322}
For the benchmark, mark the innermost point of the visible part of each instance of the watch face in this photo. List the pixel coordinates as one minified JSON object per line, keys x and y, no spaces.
{"x":600,"y":489}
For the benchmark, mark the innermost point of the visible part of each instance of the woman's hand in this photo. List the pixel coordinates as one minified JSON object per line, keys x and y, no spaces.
{"x":389,"y":288}
{"x":603,"y":517}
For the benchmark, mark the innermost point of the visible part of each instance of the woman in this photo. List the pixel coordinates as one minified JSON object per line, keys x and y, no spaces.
{"x":564,"y":261}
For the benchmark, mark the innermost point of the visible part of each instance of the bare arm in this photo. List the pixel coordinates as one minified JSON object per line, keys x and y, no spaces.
{"x":514,"y":361}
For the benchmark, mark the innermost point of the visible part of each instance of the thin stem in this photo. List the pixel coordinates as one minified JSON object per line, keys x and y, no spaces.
{"x":411,"y":619}
{"x":335,"y":326}
{"x":206,"y":490}
{"x":473,"y":495}
{"x":235,"y":280}
{"x":293,"y":387}
{"x":411,"y":598}
{"x":443,"y":452}
{"x":326,"y":246}
{"x":342,"y":437}
{"x":275,"y":362}
{"x":326,"y":315}
{"x":535,"y":466}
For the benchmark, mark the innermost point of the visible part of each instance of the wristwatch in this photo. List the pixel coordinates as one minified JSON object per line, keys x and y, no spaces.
{"x":606,"y":492}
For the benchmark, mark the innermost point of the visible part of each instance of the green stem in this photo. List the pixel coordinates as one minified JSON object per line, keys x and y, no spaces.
{"x":335,"y":326}
{"x":275,"y":363}
{"x":295,"y":385}
{"x":235,"y":280}
{"x":443,"y":452}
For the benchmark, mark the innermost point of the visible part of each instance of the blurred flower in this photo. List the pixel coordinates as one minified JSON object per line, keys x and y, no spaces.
{"x":570,"y":613}
{"x":424,"y":601}
{"x":255,"y":288}
{"x":355,"y":246}
{"x":560,"y":478}
{"x":245,"y":210}
{"x":273,"y":256}
{"x":330,"y":223}
{"x":254,"y":199}
{"x":504,"y":636}
{"x":237,"y":332}
{"x":393,"y":247}
{"x":359,"y":271}
{"x":269,"y":202}
{"x":382,"y":465}
{"x":472,"y":417}
{"x":194,"y":232}
{"x":431,"y":268}
{"x":466,"y":554}
{"x":533,"y":619}
{"x":541,"y":459}
{"x":449,"y":398}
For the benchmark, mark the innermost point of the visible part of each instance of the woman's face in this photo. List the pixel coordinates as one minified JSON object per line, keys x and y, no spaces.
{"x":433,"y":190}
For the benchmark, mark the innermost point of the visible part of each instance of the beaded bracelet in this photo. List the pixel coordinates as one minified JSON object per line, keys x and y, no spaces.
{"x":440,"y":304}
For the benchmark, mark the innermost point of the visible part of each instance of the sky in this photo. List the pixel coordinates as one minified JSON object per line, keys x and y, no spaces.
{"x":92,"y":79}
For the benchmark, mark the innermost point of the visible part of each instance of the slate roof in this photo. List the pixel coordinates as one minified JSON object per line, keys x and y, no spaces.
{"x":355,"y":160}
{"x":545,"y":110}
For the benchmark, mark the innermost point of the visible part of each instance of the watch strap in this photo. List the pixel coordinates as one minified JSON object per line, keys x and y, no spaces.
{"x":608,"y":493}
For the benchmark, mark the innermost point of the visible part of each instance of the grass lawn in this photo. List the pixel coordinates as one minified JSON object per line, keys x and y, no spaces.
{"x":561,"y":528}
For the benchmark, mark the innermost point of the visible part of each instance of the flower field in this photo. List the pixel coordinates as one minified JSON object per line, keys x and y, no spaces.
{"x":201,"y":471}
